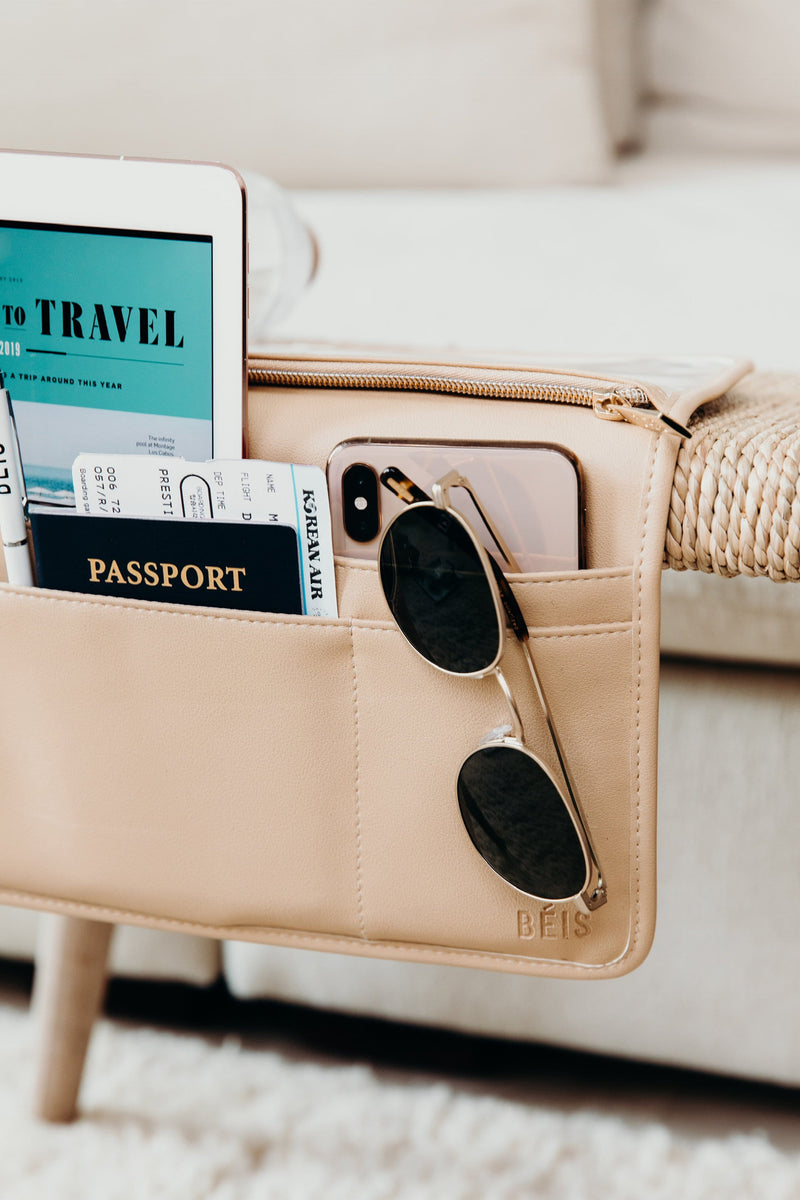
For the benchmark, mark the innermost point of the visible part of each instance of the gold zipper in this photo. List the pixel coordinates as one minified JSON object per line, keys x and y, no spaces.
{"x":609,"y":401}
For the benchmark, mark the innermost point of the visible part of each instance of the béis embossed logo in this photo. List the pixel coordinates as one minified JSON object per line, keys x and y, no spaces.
{"x":548,"y":924}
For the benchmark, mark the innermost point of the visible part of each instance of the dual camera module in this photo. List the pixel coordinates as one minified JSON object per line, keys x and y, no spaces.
{"x":361,"y":509}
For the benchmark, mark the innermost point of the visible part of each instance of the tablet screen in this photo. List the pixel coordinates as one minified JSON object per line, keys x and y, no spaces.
{"x":105,"y":345}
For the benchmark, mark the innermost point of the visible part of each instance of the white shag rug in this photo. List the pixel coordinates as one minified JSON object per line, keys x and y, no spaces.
{"x":172,"y":1117}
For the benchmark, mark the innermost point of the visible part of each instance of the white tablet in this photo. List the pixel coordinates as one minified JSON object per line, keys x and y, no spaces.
{"x":122,"y":310}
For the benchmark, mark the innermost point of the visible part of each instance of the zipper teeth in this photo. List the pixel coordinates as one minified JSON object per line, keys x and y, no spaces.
{"x":552,"y":392}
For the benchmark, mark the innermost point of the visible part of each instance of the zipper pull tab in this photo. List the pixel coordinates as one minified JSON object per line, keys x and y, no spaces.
{"x":635,"y":406}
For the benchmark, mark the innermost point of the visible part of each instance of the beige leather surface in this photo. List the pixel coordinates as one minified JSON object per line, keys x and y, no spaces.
{"x":292,"y":779}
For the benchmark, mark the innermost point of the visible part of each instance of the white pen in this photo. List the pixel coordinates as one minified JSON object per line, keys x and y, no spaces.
{"x":13,"y":528}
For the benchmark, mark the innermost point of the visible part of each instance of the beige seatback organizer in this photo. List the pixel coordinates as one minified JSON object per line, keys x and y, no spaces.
{"x":292,"y":779}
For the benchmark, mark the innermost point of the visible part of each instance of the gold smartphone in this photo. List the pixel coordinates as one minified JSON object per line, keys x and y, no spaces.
{"x":532,"y":491}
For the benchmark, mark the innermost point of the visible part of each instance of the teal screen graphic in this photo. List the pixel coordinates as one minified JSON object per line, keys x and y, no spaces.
{"x":105,"y":345}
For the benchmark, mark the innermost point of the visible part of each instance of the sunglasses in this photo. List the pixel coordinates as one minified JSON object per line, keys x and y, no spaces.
{"x":452,"y":602}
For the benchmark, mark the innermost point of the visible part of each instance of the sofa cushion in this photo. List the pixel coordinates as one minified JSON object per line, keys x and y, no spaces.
{"x":404,"y":92}
{"x":724,"y":75}
{"x":740,"y":620}
{"x":680,"y":255}
{"x":620,"y":71}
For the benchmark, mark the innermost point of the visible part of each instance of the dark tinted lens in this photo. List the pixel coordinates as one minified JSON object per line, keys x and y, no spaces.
{"x":517,"y":820}
{"x":438,"y":591}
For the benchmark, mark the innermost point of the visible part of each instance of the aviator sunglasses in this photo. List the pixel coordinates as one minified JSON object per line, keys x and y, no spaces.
{"x":451,"y":602}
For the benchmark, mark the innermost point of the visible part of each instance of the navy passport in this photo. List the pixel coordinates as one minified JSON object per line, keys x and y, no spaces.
{"x":221,"y":564}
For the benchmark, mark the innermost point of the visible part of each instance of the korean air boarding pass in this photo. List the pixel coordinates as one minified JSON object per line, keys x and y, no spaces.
{"x":132,"y":485}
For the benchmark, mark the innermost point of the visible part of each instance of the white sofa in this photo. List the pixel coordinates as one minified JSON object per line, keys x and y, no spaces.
{"x":687,"y":244}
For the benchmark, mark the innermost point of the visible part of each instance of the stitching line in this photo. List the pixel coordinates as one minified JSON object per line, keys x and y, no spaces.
{"x":578,"y":577}
{"x":637,"y":889}
{"x":272,"y":621}
{"x":357,"y":792}
{"x":585,"y":576}
{"x":116,"y":605}
{"x":117,"y":916}
{"x":621,"y":627}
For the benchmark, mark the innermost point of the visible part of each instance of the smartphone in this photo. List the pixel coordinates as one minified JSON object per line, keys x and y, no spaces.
{"x":122,"y":310}
{"x":531,"y":491}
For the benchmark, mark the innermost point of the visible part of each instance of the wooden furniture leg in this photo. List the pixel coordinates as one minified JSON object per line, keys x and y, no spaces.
{"x":68,"y":990}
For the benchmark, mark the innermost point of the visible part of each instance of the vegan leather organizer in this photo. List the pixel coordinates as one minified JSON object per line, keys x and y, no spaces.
{"x":291,"y":779}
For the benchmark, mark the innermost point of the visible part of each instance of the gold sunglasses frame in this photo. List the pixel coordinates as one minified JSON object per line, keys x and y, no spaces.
{"x":593,"y":894}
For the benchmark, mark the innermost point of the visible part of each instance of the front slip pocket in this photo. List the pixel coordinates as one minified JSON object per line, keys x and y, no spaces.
{"x":422,"y":880}
{"x":287,"y":776}
{"x":178,"y":762}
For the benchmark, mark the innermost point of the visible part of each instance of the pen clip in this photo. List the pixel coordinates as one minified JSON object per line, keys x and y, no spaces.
{"x":16,"y":448}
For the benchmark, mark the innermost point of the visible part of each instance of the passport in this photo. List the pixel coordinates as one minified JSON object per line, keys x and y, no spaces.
{"x":217,"y":564}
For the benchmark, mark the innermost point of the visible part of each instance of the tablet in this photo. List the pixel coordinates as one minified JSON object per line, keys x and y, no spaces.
{"x":122,"y":310}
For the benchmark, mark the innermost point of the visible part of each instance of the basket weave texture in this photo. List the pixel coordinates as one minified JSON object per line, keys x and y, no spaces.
{"x":735,"y":508}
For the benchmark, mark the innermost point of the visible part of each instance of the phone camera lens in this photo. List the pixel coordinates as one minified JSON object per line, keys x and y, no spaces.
{"x":360,"y":503}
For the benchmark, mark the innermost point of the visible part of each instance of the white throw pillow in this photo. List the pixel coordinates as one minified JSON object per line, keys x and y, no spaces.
{"x":618,"y":30}
{"x":315,"y":93}
{"x":724,"y":74}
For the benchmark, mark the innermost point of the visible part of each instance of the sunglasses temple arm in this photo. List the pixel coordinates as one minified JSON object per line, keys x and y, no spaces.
{"x":598,"y":896}
{"x":521,"y":632}
{"x":513,"y":610}
{"x":494,"y":532}
{"x":520,"y":629}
